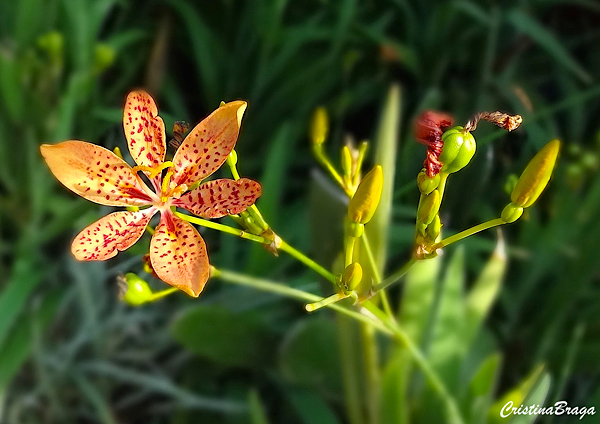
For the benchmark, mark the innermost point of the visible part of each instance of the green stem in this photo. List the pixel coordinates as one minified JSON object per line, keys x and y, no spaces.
{"x":371,"y":258}
{"x":163,"y":293}
{"x":396,"y":275}
{"x":326,"y":163}
{"x":421,"y":361}
{"x":469,"y":232}
{"x":295,"y":253}
{"x":221,"y":227}
{"x":277,"y":288}
{"x":350,"y":241}
{"x":372,"y":374}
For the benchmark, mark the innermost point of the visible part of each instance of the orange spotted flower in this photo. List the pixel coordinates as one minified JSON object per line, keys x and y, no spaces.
{"x":177,"y":251}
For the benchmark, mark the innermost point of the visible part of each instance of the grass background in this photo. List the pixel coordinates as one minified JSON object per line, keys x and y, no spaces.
{"x":69,"y":352}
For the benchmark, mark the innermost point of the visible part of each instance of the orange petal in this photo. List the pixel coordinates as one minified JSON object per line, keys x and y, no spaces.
{"x":218,"y":198}
{"x":178,"y":255}
{"x":96,"y":174}
{"x":144,"y":129}
{"x":207,"y":146}
{"x":109,"y":235}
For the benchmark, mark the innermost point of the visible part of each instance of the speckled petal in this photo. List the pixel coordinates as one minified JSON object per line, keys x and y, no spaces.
{"x":96,"y":174}
{"x":218,"y":198}
{"x":144,"y":129}
{"x":112,"y":234}
{"x":207,"y":146}
{"x":178,"y":255}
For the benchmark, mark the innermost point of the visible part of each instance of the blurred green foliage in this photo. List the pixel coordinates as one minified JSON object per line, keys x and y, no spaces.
{"x":69,"y":352}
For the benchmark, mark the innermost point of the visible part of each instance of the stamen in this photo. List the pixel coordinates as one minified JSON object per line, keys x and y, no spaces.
{"x":153,"y":171}
{"x":165,"y":185}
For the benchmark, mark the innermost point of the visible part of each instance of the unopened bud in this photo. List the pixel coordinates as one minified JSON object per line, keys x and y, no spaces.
{"x":135,"y":291}
{"x":426,"y":183}
{"x":319,"y":126}
{"x":434,"y":228}
{"x":459,"y":148}
{"x":429,"y":207}
{"x":347,"y":161}
{"x":367,"y":196}
{"x":511,"y":213}
{"x":104,"y":56}
{"x":536,"y":175}
{"x":352,"y":276}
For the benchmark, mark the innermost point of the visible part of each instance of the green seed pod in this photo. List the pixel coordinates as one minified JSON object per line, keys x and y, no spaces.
{"x":137,"y":290}
{"x":367,"y":196}
{"x":425,"y":183}
{"x":352,"y":276}
{"x":536,"y":175}
{"x":511,"y":213}
{"x":434,"y":228}
{"x":459,"y":148}
{"x":429,"y":207}
{"x":232,"y":158}
{"x":319,"y":126}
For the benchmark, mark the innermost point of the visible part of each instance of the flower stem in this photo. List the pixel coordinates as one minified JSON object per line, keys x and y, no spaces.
{"x":163,"y":293}
{"x":469,"y":232}
{"x":396,"y":275}
{"x":221,"y":227}
{"x":277,"y":288}
{"x":421,"y":361}
{"x":295,"y":253}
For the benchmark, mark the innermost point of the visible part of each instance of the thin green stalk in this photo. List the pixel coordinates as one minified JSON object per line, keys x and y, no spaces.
{"x":295,"y":253}
{"x":396,"y":275}
{"x":421,"y":361}
{"x":372,"y":373}
{"x":163,"y":293}
{"x":469,"y":232}
{"x":221,"y":227}
{"x":277,"y":288}
{"x":326,"y":163}
{"x":350,"y":242}
{"x":371,"y":258}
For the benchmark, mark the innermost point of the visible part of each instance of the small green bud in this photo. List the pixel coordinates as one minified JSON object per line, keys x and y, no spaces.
{"x":352,"y":276}
{"x":425,"y":183}
{"x":434,"y":228}
{"x":136,"y":290}
{"x":53,"y":42}
{"x":536,"y":175}
{"x":459,"y":148}
{"x":319,"y":126}
{"x":367,"y":196}
{"x":355,"y":229}
{"x":429,"y":207}
{"x":511,"y":213}
{"x":104,"y":57}
{"x":510,"y":183}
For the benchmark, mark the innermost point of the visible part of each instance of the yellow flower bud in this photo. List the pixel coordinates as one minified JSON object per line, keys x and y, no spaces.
{"x":136,"y":290}
{"x":352,"y":276}
{"x":434,"y":228}
{"x":366,"y":199}
{"x":459,"y":148}
{"x":426,"y":184}
{"x":319,"y":126}
{"x":511,"y":213}
{"x":429,"y":207}
{"x":347,"y":161}
{"x":536,"y":175}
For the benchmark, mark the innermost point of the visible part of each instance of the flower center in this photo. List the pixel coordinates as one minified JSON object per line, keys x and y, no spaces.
{"x":168,"y":189}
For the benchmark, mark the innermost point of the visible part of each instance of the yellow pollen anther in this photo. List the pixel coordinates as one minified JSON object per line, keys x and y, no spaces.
{"x":153,"y":171}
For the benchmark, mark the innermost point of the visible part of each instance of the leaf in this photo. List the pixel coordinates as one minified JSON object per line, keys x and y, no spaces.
{"x":230,"y":339}
{"x":257,"y":409}
{"x":311,"y":408}
{"x":385,"y":155}
{"x":536,"y":396}
{"x":309,"y":355}
{"x":518,"y":395}
{"x":447,"y":346}
{"x":547,"y":41}
{"x":481,"y":389}
{"x":484,"y":292}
